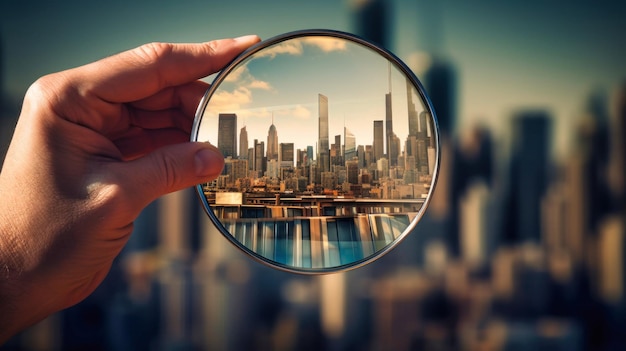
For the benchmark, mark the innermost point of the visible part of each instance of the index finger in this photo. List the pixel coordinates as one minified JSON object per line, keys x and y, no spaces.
{"x":146,"y":70}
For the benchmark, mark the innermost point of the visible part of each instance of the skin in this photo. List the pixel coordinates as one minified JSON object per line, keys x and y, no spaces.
{"x":92,"y":147}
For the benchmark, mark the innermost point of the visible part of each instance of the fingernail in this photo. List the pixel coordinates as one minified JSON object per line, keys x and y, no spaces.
{"x":248,"y":39}
{"x":209,"y":162}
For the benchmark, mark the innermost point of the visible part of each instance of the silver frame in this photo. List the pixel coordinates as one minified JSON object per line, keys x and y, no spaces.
{"x":340,"y":35}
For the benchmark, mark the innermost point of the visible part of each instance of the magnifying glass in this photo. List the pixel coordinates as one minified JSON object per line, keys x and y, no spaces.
{"x":331,"y":151}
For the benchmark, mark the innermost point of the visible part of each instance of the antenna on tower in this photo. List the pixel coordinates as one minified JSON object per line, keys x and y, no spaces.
{"x":389,"y":75}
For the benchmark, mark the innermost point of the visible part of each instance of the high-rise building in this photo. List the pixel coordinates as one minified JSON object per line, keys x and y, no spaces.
{"x":349,"y":147}
{"x":411,"y":109}
{"x":243,"y":143}
{"x":529,"y":175}
{"x":369,"y":155}
{"x":618,"y":168}
{"x":352,"y":170}
{"x":235,"y":169}
{"x":272,"y":143}
{"x":259,"y":157}
{"x":309,"y":155}
{"x":360,"y":152}
{"x":323,"y":151}
{"x":440,"y":85}
{"x":382,"y":165}
{"x":379,"y":143}
{"x":227,"y":134}
{"x":393,"y":151}
{"x":273,"y":168}
{"x":286,"y":154}
{"x":372,"y":21}
{"x":335,"y":152}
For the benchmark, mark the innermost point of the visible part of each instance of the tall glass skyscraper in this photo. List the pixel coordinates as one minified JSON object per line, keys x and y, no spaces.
{"x":243,"y":143}
{"x":413,"y":117}
{"x":349,"y":146}
{"x":323,"y":145}
{"x":227,"y":134}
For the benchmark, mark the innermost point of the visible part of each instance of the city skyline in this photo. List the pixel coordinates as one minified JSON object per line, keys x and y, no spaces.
{"x":354,"y":78}
{"x":367,"y":171}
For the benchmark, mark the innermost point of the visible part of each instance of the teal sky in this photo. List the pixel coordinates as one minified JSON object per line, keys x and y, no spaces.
{"x":508,"y":55}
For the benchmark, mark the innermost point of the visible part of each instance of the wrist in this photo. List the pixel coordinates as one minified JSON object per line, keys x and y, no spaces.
{"x":19,"y":305}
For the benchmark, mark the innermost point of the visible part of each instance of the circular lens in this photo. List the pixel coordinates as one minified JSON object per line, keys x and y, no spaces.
{"x":331,"y":151}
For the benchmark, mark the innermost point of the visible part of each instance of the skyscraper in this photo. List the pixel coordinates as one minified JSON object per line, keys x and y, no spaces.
{"x":378,"y":145}
{"x":286,"y":154}
{"x":373,"y":21}
{"x":352,"y":170}
{"x":529,"y":174}
{"x":323,"y":151}
{"x":418,"y":141}
{"x":441,"y":88}
{"x":309,"y":154}
{"x":259,"y":157}
{"x":272,"y":142}
{"x":243,"y":143}
{"x":335,"y":152}
{"x":411,"y":109}
{"x":349,"y":148}
{"x":227,"y":134}
{"x":392,"y":150}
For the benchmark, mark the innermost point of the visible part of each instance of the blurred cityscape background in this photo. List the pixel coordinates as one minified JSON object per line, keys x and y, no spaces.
{"x":522,"y":248}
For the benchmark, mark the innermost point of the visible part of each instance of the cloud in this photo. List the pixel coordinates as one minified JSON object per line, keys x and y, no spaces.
{"x":237,"y":74}
{"x":259,"y":84}
{"x":291,"y":47}
{"x":242,"y":77}
{"x":295,"y":47}
{"x":229,"y":101}
{"x":327,"y":44}
{"x":296,"y":111}
{"x":236,"y":91}
{"x":258,"y":113}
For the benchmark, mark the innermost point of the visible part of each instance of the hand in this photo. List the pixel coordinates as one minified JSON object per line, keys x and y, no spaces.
{"x":93,"y":146}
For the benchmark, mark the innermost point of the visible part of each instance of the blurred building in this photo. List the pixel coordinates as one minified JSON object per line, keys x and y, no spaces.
{"x":529,"y":176}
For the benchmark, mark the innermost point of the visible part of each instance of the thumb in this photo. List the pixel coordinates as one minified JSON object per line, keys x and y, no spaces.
{"x":172,"y":168}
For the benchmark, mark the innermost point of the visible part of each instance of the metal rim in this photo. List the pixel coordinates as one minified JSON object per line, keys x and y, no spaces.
{"x":340,"y":35}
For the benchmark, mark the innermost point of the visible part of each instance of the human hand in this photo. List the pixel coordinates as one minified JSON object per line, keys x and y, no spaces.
{"x":93,"y":146}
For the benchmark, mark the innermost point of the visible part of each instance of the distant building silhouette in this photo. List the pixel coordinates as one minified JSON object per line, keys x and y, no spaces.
{"x":440,"y":85}
{"x":529,"y":174}
{"x":372,"y":21}
{"x":594,"y":138}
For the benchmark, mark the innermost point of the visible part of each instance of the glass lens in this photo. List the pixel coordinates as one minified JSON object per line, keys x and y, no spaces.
{"x":331,"y":151}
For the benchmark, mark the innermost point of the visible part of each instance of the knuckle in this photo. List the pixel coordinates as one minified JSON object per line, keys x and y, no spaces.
{"x":212,"y":47}
{"x":153,"y":52}
{"x":49,"y":92}
{"x":168,"y":171}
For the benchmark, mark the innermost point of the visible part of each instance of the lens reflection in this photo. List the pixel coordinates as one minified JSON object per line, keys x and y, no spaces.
{"x":330,"y":148}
